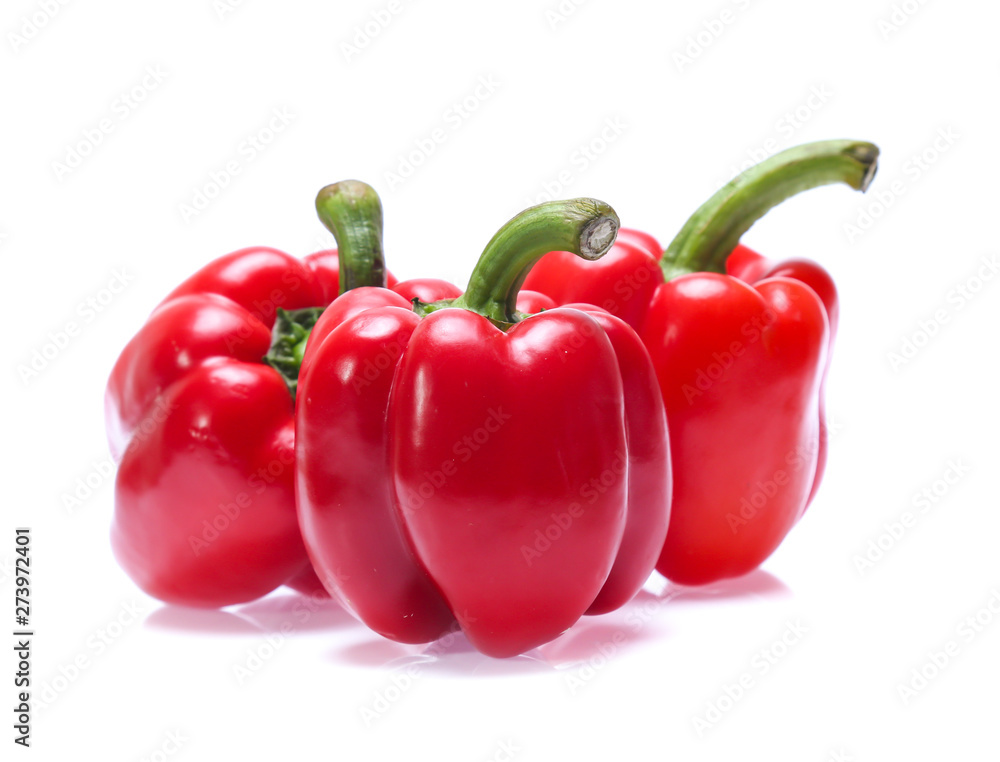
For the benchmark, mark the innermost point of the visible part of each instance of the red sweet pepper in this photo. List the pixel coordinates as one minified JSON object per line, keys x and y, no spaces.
{"x":740,"y":358}
{"x":464,"y":462}
{"x":203,"y":424}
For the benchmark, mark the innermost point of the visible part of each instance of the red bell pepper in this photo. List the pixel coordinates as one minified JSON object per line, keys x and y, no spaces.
{"x":464,"y":462}
{"x":203,"y":425}
{"x":740,"y":357}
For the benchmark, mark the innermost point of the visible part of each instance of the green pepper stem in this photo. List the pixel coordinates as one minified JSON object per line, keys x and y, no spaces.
{"x":711,"y":233}
{"x":584,"y":226}
{"x":352,"y":211}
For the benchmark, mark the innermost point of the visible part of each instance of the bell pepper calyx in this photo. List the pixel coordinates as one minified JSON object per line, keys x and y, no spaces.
{"x":288,"y":343}
{"x":713,"y":231}
{"x":423,"y":309}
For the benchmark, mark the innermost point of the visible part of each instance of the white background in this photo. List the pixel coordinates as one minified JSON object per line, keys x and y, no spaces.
{"x":899,"y":80}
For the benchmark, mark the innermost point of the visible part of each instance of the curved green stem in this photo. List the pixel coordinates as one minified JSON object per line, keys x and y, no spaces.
{"x":352,"y":211}
{"x":584,"y":226}
{"x":712,"y":232}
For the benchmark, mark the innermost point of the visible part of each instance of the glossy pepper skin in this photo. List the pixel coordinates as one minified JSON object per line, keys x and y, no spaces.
{"x":466,"y":463}
{"x":741,"y":347}
{"x":203,"y":431}
{"x":750,"y":267}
